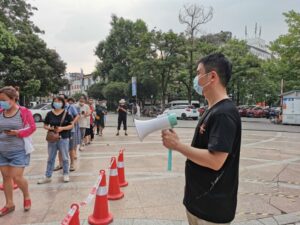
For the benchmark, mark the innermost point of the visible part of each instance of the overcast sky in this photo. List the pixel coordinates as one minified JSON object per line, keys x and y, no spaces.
{"x":75,"y":27}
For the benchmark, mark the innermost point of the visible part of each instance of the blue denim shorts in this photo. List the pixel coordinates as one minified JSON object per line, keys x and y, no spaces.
{"x":14,"y":158}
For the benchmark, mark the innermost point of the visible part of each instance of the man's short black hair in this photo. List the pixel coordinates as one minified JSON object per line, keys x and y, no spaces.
{"x":219,"y":63}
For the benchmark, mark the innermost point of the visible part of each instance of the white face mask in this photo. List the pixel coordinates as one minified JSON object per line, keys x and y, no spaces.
{"x":197,"y":87}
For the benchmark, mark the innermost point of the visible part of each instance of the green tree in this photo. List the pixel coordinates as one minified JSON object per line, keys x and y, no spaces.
{"x":147,"y":88}
{"x":16,"y":14}
{"x":96,"y":91}
{"x":169,"y":51}
{"x":286,"y":48}
{"x":115,"y":90}
{"x":29,"y":64}
{"x":32,"y":60}
{"x":32,"y":86}
{"x":248,"y":82}
{"x":114,"y":51}
{"x":8,"y":42}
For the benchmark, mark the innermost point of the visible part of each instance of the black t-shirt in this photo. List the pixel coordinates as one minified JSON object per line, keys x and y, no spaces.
{"x":219,"y":129}
{"x":54,"y":121}
{"x":121,"y":112}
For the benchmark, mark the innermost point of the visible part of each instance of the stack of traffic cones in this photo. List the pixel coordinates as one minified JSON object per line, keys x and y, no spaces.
{"x":114,"y":191}
{"x":101,"y":214}
{"x":121,"y":169}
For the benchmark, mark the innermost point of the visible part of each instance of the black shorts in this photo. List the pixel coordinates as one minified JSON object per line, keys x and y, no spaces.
{"x":89,"y":131}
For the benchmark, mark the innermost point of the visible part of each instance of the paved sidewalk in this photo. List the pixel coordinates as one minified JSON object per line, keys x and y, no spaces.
{"x":286,"y":219}
{"x":269,"y":189}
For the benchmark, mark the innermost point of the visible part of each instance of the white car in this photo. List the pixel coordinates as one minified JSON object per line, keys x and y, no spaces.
{"x":40,"y":111}
{"x":183,"y":111}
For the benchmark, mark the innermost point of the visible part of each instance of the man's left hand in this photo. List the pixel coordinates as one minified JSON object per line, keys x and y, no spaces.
{"x":170,"y":139}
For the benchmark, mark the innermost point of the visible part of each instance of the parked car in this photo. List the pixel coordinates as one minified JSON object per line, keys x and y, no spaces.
{"x":243,"y":110}
{"x":40,"y":111}
{"x":256,"y":112}
{"x":183,"y":102}
{"x":183,"y":112}
{"x":151,"y":111}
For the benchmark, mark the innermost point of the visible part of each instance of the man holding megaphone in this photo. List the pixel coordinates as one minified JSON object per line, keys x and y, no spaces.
{"x":213,"y":158}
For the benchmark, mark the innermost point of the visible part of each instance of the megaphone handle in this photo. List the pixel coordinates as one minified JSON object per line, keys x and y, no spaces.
{"x":170,"y":160}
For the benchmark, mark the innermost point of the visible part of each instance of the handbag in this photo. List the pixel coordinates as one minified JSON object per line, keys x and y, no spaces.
{"x":53,"y":136}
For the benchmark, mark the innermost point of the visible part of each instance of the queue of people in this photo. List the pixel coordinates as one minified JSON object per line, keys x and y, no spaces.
{"x":75,"y":124}
{"x":70,"y":126}
{"x":212,"y":159}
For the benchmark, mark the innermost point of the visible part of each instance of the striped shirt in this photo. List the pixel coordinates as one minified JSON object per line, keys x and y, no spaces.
{"x":9,"y":142}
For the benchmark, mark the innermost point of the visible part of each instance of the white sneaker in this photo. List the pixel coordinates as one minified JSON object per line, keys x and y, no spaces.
{"x":81,"y":148}
{"x":45,"y":180}
{"x":66,"y":178}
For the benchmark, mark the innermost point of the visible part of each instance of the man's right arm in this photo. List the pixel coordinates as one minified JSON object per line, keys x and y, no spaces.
{"x":210,"y":159}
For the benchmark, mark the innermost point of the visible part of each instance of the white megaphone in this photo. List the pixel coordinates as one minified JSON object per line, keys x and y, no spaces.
{"x":145,"y":127}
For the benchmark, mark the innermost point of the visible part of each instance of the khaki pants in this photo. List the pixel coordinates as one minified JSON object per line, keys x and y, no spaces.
{"x":193,"y":220}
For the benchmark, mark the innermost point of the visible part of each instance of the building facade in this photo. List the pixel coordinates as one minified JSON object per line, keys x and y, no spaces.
{"x":78,"y":83}
{"x":258,"y":47}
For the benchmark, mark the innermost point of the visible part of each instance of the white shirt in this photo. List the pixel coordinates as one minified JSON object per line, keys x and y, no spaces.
{"x":84,"y":121}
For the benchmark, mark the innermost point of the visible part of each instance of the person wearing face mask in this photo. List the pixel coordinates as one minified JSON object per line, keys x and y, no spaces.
{"x":16,"y":123}
{"x":73,"y":139}
{"x":212,"y":165}
{"x":60,"y":121}
{"x":84,"y":120}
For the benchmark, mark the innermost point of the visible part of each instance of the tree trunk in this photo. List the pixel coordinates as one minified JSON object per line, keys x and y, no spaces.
{"x":163,"y":96}
{"x":191,"y":69}
{"x":238,"y":94}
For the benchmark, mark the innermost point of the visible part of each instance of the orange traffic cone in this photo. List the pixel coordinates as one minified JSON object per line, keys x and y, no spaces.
{"x":101,"y":214}
{"x":114,"y":191}
{"x":121,"y":169}
{"x":15,"y":186}
{"x":75,"y":218}
{"x":72,"y":217}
